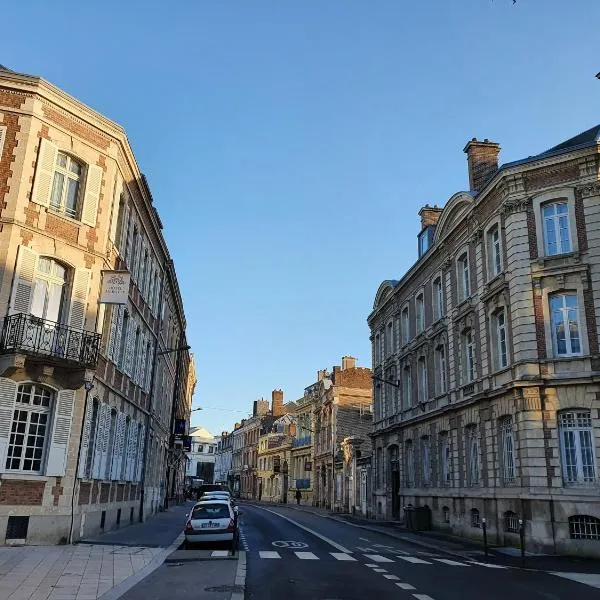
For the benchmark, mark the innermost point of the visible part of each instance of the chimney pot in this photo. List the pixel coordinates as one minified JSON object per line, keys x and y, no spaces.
{"x":482,"y":160}
{"x":430,"y":215}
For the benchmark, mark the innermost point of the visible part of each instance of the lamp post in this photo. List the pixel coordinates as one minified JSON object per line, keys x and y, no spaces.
{"x":150,"y":415}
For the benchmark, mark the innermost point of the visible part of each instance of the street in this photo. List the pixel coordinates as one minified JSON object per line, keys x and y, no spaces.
{"x":325,"y":559}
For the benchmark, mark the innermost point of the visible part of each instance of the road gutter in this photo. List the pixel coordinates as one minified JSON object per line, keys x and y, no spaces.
{"x":240,"y":577}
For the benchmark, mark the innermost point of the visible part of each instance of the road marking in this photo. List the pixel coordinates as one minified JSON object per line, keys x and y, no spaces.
{"x":401,"y":552}
{"x":392,"y":577}
{"x":364,"y":539}
{"x":306,"y":555}
{"x":490,"y":566}
{"x":454,"y":563}
{"x":289,"y":544}
{"x":220,"y":553}
{"x":380,"y":570}
{"x":372,"y":566}
{"x":406,"y":586}
{"x":378,"y":558}
{"x":268,"y":554}
{"x":414,"y":560}
{"x":342,"y":556}
{"x":315,"y":533}
{"x":422,"y":597}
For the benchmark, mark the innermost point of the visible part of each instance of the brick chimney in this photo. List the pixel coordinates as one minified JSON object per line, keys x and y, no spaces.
{"x":482,"y":158}
{"x":262,"y":407}
{"x":277,"y":409}
{"x":348,"y":362}
{"x":429,"y":215}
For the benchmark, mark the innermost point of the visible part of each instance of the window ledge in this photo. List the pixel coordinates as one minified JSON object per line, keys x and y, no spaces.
{"x":24,"y":476}
{"x":60,"y":215}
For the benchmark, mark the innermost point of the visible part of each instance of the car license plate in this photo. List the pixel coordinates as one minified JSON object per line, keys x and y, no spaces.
{"x":210,"y":525}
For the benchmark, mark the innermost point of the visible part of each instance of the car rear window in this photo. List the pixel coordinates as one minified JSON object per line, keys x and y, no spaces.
{"x":210,"y":511}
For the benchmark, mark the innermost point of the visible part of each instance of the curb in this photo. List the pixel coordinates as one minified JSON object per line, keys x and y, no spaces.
{"x":240,"y":578}
{"x":157,"y":561}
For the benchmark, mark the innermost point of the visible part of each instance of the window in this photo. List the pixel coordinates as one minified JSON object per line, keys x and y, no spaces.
{"x":440,"y":365}
{"x":89,"y":459}
{"x":124,"y":334}
{"x":507,"y":441}
{"x":48,"y":290}
{"x":495,"y":250}
{"x":393,"y":390}
{"x":426,"y":460}
{"x":420,"y":313}
{"x":511,"y":522}
{"x":472,"y":445}
{"x":500,"y":335}
{"x":577,"y":447}
{"x":469,"y":356}
{"x":565,"y":324}
{"x":475,"y":519}
{"x":583,"y":527}
{"x":445,"y":471}
{"x":111,"y":444}
{"x":143,"y":273}
{"x":65,"y":185}
{"x":438,"y":299}
{"x":136,"y":349}
{"x":29,"y":429}
{"x":410,"y":463}
{"x":377,"y":349}
{"x":134,"y":252}
{"x":422,"y":374}
{"x":405,"y":326}
{"x":389,"y":339}
{"x":557,"y":234}
{"x":446,"y":514}
{"x":464,"y":282}
{"x":424,"y":241}
{"x":407,"y":388}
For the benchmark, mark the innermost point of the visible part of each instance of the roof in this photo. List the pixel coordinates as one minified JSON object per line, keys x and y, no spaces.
{"x":587,"y":137}
{"x":201,"y":432}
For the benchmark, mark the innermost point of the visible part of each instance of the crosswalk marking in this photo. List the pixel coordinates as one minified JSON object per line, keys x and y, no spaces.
{"x":219,"y":553}
{"x":392,"y":577}
{"x":490,"y":566}
{"x":306,"y":555}
{"x":422,"y":597}
{"x":342,"y":556}
{"x":378,"y":558}
{"x":454,"y":563}
{"x":269,"y":554}
{"x":406,"y":586}
{"x":380,"y":570}
{"x":414,"y":560}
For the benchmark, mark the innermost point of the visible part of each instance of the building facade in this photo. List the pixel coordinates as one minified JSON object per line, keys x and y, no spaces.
{"x":223,"y":459}
{"x":77,"y":405}
{"x":274,"y":446}
{"x":490,"y":342}
{"x":202,"y":457}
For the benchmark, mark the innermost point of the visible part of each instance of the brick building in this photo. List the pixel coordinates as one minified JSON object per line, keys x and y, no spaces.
{"x":492,"y":336}
{"x":75,"y":376}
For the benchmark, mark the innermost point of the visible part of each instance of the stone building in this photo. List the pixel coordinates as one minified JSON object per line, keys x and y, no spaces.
{"x":492,"y":337}
{"x":342,"y":409}
{"x":202,"y":457}
{"x":261,"y":418}
{"x":79,"y":418}
{"x":223,"y":459}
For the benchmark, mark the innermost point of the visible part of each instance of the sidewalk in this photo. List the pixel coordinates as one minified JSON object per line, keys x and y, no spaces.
{"x":102,"y":567}
{"x":457,"y":546}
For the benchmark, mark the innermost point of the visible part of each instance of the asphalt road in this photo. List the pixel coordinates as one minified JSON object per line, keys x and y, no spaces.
{"x":308,"y":557}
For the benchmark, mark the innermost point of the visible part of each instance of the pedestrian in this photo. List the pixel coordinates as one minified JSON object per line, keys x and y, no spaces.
{"x":298,"y":497}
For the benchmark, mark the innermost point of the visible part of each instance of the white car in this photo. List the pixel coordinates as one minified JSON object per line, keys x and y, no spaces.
{"x":219,"y":496}
{"x":211,"y":521}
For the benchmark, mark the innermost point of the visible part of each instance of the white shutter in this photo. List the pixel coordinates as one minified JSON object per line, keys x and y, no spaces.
{"x":130,"y":348}
{"x":44,"y":173}
{"x":142,"y":361}
{"x":131,"y":450}
{"x":112,"y":234}
{"x":91,"y":198}
{"x":2,"y":138}
{"x":22,"y":289}
{"x":125,"y":234}
{"x":8,"y":395}
{"x":149,"y":364}
{"x":118,"y":448}
{"x":138,"y":251}
{"x":85,"y":440}
{"x":112,"y":332}
{"x":101,"y":427}
{"x":61,"y":432}
{"x":140,"y":454}
{"x":105,"y":441}
{"x":79,"y":295}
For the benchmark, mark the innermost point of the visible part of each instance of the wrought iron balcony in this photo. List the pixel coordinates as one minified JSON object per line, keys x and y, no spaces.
{"x":31,"y":335}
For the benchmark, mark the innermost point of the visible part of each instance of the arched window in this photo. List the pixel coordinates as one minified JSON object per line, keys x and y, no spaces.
{"x":65,"y":185}
{"x":29,"y":430}
{"x":584,"y":527}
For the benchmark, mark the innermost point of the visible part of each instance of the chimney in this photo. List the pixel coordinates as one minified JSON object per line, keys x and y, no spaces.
{"x":348,"y":362}
{"x":224,"y":434}
{"x":482,"y":158}
{"x":277,"y":403}
{"x":336,"y":372}
{"x":321,"y":374}
{"x":262,"y":407}
{"x":429,"y":215}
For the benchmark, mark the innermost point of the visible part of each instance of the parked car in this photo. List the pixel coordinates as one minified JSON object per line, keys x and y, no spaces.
{"x":211,"y":521}
{"x":220,"y":496}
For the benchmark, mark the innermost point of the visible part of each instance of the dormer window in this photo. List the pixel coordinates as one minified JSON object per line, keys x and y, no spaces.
{"x":425,"y":239}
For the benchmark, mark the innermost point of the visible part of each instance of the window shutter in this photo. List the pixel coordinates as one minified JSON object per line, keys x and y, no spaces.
{"x":131,"y":450}
{"x":103,"y":412}
{"x":140,"y":453}
{"x":2,"y":138}
{"x":79,"y":295}
{"x":91,"y":198}
{"x":142,"y":361}
{"x":105,"y":438}
{"x":44,"y":173}
{"x":124,"y":246}
{"x":129,"y":347}
{"x":149,"y":364}
{"x":112,"y":234}
{"x":118,"y":447}
{"x":23,"y":281}
{"x":85,"y":440}
{"x":61,"y":432}
{"x":8,"y":394}
{"x":138,"y":252}
{"x":114,"y":317}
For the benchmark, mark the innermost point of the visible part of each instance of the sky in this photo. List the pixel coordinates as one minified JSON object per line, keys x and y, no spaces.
{"x":290,"y":144}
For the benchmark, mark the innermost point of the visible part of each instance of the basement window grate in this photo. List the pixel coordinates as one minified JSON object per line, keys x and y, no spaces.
{"x":17,"y":528}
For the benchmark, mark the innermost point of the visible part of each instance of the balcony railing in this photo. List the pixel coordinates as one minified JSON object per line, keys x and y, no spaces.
{"x":302,"y":441}
{"x":32,"y":335}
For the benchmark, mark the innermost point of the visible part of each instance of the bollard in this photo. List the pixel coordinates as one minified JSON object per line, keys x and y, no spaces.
{"x":485,"y":544}
{"x":522,"y":537}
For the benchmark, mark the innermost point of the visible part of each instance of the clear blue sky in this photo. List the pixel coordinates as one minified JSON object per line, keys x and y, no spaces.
{"x":289,"y":146}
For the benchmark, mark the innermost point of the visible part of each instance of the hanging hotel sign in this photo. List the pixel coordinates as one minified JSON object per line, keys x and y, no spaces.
{"x":115,"y":287}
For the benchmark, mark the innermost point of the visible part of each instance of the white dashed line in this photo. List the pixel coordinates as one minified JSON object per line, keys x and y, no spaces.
{"x":379,"y":559}
{"x":392,"y":577}
{"x":414,"y":560}
{"x":379,"y":570}
{"x":342,"y":556}
{"x":406,"y":586}
{"x":490,"y":566}
{"x":269,"y":554}
{"x":220,"y":553}
{"x":453,"y":563}
{"x":306,"y":556}
{"x":422,"y":597}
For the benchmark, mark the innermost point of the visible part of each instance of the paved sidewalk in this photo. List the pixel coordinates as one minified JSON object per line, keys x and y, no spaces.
{"x":104,"y":566}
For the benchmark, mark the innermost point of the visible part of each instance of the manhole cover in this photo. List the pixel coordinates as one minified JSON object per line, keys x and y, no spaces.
{"x":225,"y":588}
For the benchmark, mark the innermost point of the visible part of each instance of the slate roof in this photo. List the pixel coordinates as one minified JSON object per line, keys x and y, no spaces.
{"x":590,"y":136}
